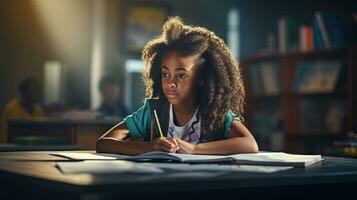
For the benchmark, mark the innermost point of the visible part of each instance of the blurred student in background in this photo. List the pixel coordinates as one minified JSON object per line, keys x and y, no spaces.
{"x":112,"y":102}
{"x":26,"y":107}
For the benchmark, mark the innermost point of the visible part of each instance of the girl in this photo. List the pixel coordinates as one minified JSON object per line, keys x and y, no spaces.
{"x":195,"y":86}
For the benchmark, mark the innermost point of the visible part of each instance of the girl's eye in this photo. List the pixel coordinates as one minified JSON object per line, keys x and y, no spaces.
{"x":164,"y":74}
{"x":182,"y":76}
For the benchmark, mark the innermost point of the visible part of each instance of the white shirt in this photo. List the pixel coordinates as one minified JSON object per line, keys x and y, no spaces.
{"x":190,"y":132}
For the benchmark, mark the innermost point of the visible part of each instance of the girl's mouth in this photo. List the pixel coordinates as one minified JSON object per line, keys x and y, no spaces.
{"x":171,"y":95}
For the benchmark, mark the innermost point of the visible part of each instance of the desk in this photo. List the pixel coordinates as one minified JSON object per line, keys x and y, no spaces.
{"x":76,"y":132}
{"x":33,"y":175}
{"x":7,"y":147}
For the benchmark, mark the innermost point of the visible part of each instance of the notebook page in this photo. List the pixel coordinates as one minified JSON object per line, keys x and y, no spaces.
{"x":218,"y":167}
{"x":181,"y":157}
{"x":107,"y":167}
{"x":90,"y":156}
{"x":276,"y":157}
{"x":201,"y":158}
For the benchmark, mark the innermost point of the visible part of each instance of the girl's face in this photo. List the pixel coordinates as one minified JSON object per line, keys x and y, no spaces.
{"x":179,"y":78}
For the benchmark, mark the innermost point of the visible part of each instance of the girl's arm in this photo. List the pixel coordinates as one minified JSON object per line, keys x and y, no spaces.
{"x":118,"y":140}
{"x":240,"y":141}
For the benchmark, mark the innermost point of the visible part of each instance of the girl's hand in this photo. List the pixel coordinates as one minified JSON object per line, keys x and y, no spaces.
{"x":165,"y":144}
{"x":185,"y":147}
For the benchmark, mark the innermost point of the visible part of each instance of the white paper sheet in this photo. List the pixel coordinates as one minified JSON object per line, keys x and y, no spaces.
{"x":107,"y":167}
{"x":218,"y":167}
{"x":90,"y":156}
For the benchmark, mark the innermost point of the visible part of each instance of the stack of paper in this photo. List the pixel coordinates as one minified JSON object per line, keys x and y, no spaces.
{"x":261,"y":158}
{"x":119,"y":166}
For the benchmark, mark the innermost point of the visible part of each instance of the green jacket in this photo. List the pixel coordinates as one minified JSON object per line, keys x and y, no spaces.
{"x":142,"y":124}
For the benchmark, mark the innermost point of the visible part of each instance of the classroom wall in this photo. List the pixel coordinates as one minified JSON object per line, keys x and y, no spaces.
{"x":68,"y":25}
{"x":23,"y":46}
{"x":212,"y":15}
{"x":35,"y":31}
{"x":68,"y":38}
{"x":215,"y":21}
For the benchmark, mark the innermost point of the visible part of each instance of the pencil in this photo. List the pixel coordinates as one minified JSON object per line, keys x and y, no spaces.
{"x":158,"y":124}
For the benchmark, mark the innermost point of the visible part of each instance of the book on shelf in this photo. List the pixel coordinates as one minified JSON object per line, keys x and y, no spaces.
{"x":265,"y":78}
{"x":340,"y":144}
{"x":335,"y":117}
{"x":287,"y":35}
{"x":271,"y":78}
{"x":266,"y":123}
{"x":341,"y":151}
{"x":328,"y":31}
{"x":325,"y":30}
{"x":317,"y":36}
{"x":321,"y":25}
{"x":316,"y":77}
{"x":282,"y":35}
{"x":349,"y":23}
{"x":255,"y":79}
{"x":335,"y":30}
{"x":327,"y":115}
{"x":344,"y":147}
{"x":306,"y":38}
{"x":312,"y":114}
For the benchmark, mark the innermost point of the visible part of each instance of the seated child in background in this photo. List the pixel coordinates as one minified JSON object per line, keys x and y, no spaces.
{"x":195,"y":86}
{"x":112,"y":105}
{"x":26,"y":107}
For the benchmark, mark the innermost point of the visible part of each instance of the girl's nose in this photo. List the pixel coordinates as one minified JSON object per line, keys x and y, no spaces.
{"x":173,"y":85}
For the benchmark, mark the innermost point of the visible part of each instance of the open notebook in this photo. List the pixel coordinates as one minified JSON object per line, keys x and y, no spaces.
{"x":261,"y":158}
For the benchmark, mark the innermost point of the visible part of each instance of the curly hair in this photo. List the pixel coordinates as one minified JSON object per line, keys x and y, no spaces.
{"x":223,"y":85}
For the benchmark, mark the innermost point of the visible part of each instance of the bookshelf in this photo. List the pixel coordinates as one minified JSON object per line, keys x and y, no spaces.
{"x":293,"y":120}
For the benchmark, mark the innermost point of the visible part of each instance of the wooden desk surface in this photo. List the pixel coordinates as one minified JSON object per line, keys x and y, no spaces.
{"x":60,"y":121}
{"x":38,"y":168}
{"x":62,"y":131}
